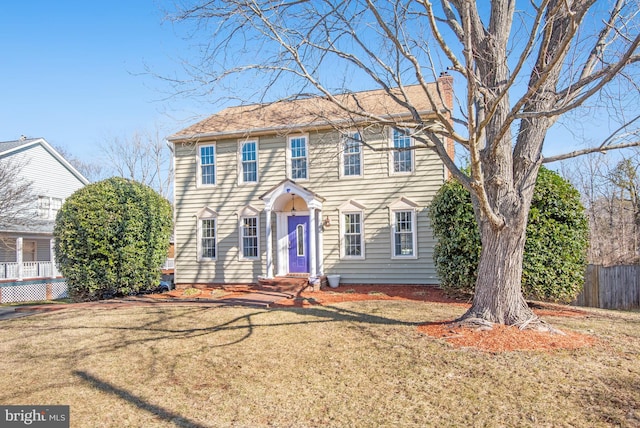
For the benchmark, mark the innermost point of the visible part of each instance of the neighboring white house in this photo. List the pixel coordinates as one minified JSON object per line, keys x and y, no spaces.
{"x":27,"y":251}
{"x":300,"y":187}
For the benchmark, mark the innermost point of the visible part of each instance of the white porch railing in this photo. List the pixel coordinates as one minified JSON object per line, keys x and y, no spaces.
{"x":168,"y":264}
{"x":29,"y":270}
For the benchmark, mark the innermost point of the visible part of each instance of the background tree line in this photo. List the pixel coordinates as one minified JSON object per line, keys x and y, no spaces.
{"x":609,"y":187}
{"x":143,"y":156}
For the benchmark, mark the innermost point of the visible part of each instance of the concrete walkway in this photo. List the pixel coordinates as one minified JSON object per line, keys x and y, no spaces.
{"x":10,"y":312}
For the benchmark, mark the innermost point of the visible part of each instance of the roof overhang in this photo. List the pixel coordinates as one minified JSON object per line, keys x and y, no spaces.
{"x":391,"y":119}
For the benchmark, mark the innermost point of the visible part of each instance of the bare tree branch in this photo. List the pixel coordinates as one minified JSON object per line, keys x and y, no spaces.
{"x":599,"y":149}
{"x":144,"y":157}
{"x":17,"y":199}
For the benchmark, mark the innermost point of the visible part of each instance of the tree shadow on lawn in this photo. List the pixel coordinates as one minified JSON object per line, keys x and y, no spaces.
{"x":142,"y":404}
{"x":246,"y":323}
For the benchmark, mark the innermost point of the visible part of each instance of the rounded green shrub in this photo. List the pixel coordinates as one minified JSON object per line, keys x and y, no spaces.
{"x":555,"y":247}
{"x":111,"y":238}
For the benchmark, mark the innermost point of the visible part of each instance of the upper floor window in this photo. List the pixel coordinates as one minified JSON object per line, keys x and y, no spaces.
{"x":402,"y":156}
{"x":207,"y":165}
{"x":48,"y":207}
{"x":299,"y":158}
{"x":351,"y":155}
{"x":249,"y":161}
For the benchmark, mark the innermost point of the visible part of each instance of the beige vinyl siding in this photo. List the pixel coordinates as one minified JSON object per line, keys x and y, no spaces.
{"x":376,"y":190}
{"x":226,"y":198}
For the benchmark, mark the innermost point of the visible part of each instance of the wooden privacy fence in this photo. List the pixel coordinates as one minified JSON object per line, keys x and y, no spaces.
{"x":613,"y":287}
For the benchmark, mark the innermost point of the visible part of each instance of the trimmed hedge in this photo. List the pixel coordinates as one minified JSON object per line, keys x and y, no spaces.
{"x":555,"y":248}
{"x":111,"y":238}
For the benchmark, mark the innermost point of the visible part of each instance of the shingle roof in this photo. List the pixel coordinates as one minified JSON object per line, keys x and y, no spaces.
{"x":6,"y":146}
{"x":35,"y":226}
{"x":306,"y":113}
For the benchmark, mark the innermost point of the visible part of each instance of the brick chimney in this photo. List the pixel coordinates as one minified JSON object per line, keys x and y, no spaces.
{"x":445,"y":84}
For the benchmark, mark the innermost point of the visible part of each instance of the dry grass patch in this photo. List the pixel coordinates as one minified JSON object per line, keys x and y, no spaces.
{"x":357,"y":364}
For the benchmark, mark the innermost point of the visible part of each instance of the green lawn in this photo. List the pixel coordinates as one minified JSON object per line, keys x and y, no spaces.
{"x":358,"y":364}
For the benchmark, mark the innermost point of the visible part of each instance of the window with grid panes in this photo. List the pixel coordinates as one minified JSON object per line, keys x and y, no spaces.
{"x":299,"y":164}
{"x":402,"y":159}
{"x":249,"y":161}
{"x":250,"y":237}
{"x":352,"y":234}
{"x":207,"y":165}
{"x":352,"y":155}
{"x":403,"y":234}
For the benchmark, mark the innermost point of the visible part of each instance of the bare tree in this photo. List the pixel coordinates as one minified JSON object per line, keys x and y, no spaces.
{"x":611,"y":195}
{"x":144,"y":157}
{"x":520,"y":71}
{"x":92,"y":171}
{"x":17,"y":199}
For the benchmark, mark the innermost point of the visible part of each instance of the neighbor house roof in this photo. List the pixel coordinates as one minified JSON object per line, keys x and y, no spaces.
{"x":8,"y":148}
{"x":309,"y":113}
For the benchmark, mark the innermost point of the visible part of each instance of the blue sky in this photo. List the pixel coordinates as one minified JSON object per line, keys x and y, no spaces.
{"x":72,"y":72}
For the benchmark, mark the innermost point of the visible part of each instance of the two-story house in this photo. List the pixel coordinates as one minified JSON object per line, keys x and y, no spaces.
{"x":302,"y":187}
{"x":26,"y":245}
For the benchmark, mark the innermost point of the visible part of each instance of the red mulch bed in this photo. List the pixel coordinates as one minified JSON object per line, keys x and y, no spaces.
{"x":506,"y":338}
{"x":351,"y":293}
{"x":499,"y":339}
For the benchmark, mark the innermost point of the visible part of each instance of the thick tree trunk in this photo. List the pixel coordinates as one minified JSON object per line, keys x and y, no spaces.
{"x":498,"y":295}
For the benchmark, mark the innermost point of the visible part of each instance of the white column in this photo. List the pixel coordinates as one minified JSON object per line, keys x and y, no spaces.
{"x":19,"y":257}
{"x":52,"y":255}
{"x":269,"y":233}
{"x":313,"y":225}
{"x":320,"y":229}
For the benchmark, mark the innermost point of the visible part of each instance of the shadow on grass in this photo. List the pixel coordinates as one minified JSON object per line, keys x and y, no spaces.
{"x":334,"y":313}
{"x":161,"y":412}
{"x":248,"y":322}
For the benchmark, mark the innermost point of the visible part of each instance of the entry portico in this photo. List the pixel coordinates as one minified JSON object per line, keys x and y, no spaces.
{"x":298,"y":230}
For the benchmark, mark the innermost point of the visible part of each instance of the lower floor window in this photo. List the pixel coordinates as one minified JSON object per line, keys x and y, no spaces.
{"x":352,"y":235}
{"x":403,"y":234}
{"x":250,"y":237}
{"x":208,"y":239}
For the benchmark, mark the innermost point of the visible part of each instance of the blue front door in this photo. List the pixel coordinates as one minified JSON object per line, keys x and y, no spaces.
{"x":298,"y":243}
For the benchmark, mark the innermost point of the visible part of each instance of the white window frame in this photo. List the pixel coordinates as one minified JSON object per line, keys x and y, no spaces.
{"x":404,"y":205}
{"x":248,"y":212}
{"x":392,"y":152}
{"x":351,"y":207}
{"x":48,"y":207}
{"x":206,"y":213}
{"x":199,"y":165}
{"x":241,"y":162}
{"x":343,"y":153}
{"x":44,"y":207}
{"x":289,"y":157}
